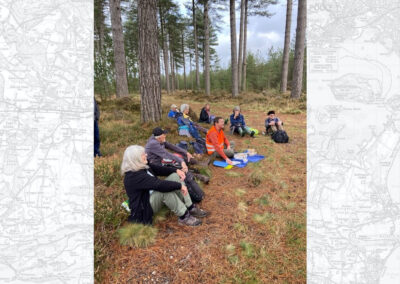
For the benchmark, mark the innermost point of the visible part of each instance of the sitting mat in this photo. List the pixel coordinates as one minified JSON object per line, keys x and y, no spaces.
{"x":221,"y":164}
{"x":225,"y":165}
{"x":255,"y":158}
{"x":241,"y":163}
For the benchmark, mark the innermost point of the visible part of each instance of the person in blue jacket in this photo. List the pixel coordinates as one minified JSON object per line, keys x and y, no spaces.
{"x":173,"y":111}
{"x":238,"y":124}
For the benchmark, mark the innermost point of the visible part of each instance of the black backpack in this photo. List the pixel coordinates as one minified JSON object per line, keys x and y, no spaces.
{"x":280,"y":136}
{"x":198,"y":148}
{"x":183,"y":145}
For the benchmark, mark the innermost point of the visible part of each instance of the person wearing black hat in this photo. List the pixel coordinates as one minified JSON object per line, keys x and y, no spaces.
{"x":273,"y":122}
{"x":156,"y":150}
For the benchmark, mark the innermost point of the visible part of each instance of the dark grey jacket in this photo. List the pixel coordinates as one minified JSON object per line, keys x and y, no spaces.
{"x":157,"y":151}
{"x":96,"y":111}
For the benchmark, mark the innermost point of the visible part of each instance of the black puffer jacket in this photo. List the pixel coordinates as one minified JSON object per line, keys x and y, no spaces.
{"x":138,"y":184}
{"x":204,"y":117}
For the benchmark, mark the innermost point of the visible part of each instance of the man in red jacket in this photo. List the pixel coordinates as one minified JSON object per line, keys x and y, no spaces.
{"x":215,"y":141}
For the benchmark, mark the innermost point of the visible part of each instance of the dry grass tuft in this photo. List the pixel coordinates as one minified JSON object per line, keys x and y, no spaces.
{"x":137,"y":235}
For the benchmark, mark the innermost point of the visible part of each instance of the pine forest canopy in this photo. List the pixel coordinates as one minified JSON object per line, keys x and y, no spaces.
{"x":259,"y":70}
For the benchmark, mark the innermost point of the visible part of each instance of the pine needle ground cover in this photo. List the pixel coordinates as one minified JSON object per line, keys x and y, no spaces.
{"x":256,"y":232}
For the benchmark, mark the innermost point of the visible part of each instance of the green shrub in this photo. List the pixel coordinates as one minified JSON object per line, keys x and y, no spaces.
{"x":137,"y":235}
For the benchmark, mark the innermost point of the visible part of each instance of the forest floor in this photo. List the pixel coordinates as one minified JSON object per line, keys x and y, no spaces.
{"x":256,"y":232}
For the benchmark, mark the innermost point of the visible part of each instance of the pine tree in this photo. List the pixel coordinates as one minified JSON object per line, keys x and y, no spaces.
{"x":206,"y":50}
{"x":149,"y":63}
{"x":241,"y":37}
{"x":244,"y":66}
{"x":196,"y":52}
{"x":234,"y":68}
{"x":119,"y":49}
{"x":297,"y":78}
{"x":286,"y":47}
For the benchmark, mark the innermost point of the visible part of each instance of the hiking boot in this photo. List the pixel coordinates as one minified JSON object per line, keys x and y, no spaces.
{"x":194,"y":171}
{"x":202,"y":178}
{"x":189,"y":220}
{"x":197,"y":212}
{"x":242,"y":134}
{"x":252,"y":134}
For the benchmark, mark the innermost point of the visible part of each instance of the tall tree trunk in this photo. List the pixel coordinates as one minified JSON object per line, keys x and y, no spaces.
{"x":244,"y":67}
{"x":165,"y":50}
{"x":234,"y":68}
{"x":119,"y":49}
{"x":297,"y":78}
{"x":241,"y":31}
{"x":286,"y":48}
{"x":149,"y":62}
{"x":184,"y":63}
{"x":196,"y":51}
{"x":177,"y":76}
{"x":99,"y":23}
{"x":206,"y":50}
{"x":190,"y":70}
{"x":172,"y":70}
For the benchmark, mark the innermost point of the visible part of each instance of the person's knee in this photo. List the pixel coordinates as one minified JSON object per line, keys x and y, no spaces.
{"x":174,"y":177}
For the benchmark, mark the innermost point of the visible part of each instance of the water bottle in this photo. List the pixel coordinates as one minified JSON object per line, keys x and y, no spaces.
{"x":125,"y":204}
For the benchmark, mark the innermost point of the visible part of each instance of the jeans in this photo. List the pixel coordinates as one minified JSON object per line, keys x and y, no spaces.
{"x":193,"y":131}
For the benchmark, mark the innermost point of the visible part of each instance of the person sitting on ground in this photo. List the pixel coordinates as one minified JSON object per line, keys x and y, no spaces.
{"x":147,"y":194}
{"x":215,"y":141}
{"x":205,"y":115}
{"x":173,"y":111}
{"x":156,"y":150}
{"x":238,"y":124}
{"x":185,"y":120}
{"x":272,"y":122}
{"x":96,"y":130}
{"x":185,"y":113}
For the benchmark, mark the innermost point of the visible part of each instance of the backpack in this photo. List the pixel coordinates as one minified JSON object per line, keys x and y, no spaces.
{"x":280,"y":136}
{"x":170,"y":163}
{"x":183,"y":145}
{"x":199,"y":148}
{"x":201,"y":140}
